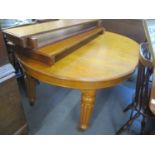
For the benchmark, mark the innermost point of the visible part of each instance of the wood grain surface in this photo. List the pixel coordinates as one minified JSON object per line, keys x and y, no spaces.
{"x":25,"y":31}
{"x":49,"y":54}
{"x":103,"y":62}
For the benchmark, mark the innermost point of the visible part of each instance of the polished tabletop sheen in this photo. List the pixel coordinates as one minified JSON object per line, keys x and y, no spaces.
{"x":108,"y":57}
{"x":103,"y":62}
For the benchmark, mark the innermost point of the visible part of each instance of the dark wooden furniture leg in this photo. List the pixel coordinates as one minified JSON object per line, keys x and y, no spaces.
{"x":31,"y":88}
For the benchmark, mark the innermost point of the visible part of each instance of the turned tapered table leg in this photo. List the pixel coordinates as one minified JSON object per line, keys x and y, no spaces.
{"x":87,"y":105}
{"x":31,"y":88}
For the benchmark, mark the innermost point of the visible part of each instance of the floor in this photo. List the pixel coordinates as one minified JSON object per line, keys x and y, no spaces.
{"x":57,"y":110}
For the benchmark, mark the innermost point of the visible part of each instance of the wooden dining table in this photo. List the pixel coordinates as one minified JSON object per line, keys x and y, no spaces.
{"x":104,"y":62}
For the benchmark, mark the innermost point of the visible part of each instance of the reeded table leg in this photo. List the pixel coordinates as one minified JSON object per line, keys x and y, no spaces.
{"x":87,"y":105}
{"x":31,"y":88}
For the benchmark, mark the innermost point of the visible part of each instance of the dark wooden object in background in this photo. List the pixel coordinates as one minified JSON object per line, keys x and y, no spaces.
{"x":3,"y":53}
{"x":12,"y":118}
{"x":132,"y":28}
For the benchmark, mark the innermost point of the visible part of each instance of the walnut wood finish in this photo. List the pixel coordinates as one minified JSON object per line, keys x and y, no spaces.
{"x":105,"y":61}
{"x":55,"y":51}
{"x":43,"y":39}
{"x":20,"y":35}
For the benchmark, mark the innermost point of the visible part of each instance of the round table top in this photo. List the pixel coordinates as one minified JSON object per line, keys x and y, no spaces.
{"x":105,"y":61}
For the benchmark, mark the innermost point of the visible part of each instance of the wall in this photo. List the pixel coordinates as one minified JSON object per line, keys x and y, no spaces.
{"x":132,"y":28}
